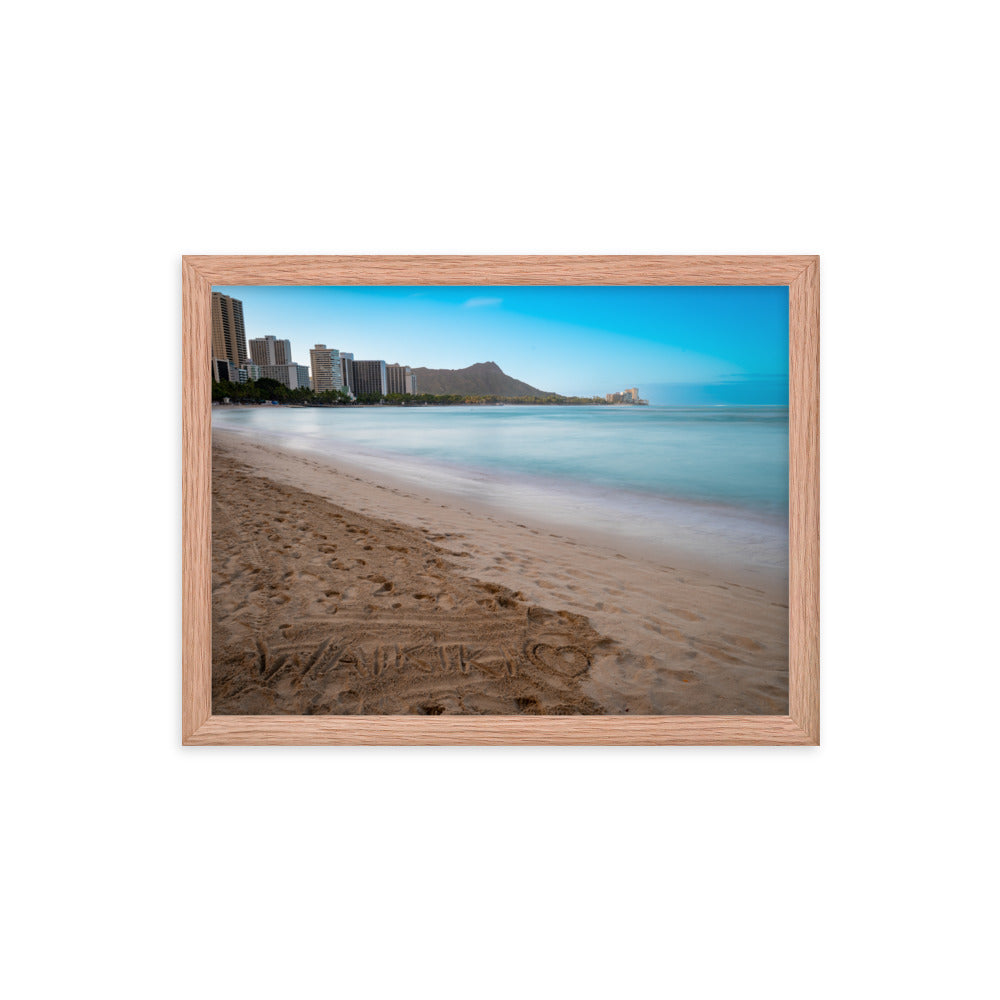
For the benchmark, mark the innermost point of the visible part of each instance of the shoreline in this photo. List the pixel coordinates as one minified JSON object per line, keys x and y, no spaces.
{"x":657,"y":637}
{"x":705,"y":537}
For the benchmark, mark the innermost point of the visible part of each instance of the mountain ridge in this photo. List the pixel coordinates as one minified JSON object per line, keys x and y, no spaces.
{"x":484,"y":378}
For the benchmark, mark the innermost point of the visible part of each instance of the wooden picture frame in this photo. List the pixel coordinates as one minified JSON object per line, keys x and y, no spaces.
{"x":799,"y":727}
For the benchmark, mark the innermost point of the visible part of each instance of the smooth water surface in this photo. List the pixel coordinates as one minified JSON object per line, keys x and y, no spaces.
{"x":731,"y":456}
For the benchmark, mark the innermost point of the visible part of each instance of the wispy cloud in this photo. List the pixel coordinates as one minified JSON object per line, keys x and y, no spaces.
{"x":478,"y":302}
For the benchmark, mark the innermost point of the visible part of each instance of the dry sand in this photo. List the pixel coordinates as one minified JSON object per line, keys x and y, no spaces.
{"x":337,"y":593}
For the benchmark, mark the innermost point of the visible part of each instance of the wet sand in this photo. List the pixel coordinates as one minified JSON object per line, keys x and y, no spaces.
{"x":339,"y":592}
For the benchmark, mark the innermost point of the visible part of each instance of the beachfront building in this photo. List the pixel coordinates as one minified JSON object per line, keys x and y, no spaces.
{"x":370,"y":377}
{"x":250,"y":372}
{"x":293,"y":376}
{"x":229,"y":339}
{"x":270,"y":351}
{"x":399,"y":379}
{"x":261,"y":351}
{"x":224,"y":371}
{"x":347,"y":371}
{"x":327,"y":374}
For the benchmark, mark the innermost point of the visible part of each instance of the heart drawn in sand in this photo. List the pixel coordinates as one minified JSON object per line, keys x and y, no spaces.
{"x":569,"y":661}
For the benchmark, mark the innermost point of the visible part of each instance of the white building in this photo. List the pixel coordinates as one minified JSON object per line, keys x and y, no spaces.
{"x":327,"y":374}
{"x":293,"y":376}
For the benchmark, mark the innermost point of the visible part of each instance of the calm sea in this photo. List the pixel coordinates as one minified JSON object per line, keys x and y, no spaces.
{"x":721,"y":471}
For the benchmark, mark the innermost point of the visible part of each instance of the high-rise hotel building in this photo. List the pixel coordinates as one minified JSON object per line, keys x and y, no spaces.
{"x":270,"y":351}
{"x":400,"y":379}
{"x":225,"y":371}
{"x":229,"y":339}
{"x":347,"y":371}
{"x":292,"y":376}
{"x":327,"y":374}
{"x":369,"y":377}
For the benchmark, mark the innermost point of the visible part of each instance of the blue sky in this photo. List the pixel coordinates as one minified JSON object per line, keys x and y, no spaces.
{"x":679,"y":345}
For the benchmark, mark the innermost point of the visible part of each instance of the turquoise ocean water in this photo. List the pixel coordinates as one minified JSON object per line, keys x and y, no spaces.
{"x":722,"y":471}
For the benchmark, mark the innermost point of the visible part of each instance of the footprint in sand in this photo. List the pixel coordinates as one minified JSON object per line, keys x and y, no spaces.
{"x":689,"y":615}
{"x":715,"y":650}
{"x":744,"y":642}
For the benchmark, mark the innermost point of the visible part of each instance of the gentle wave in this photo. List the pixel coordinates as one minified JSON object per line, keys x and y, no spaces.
{"x":736,"y":456}
{"x":653,"y":482}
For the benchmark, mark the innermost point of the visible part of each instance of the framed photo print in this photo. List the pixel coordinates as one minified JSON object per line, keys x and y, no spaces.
{"x":501,"y":500}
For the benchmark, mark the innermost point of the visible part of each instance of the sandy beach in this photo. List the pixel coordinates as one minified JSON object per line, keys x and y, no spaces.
{"x":336,"y":590}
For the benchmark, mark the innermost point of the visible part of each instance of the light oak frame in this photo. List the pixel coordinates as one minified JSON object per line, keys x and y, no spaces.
{"x":801,"y":725}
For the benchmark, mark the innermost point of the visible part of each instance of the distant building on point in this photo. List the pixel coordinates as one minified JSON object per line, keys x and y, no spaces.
{"x":270,"y":351}
{"x":327,"y":374}
{"x":630,"y":396}
{"x":370,"y":377}
{"x":229,"y":339}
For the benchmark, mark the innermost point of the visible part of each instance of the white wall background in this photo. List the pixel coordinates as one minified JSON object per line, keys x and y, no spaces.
{"x":862,"y":131}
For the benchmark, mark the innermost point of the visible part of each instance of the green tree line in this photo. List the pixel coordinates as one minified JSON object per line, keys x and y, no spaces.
{"x":268,"y":390}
